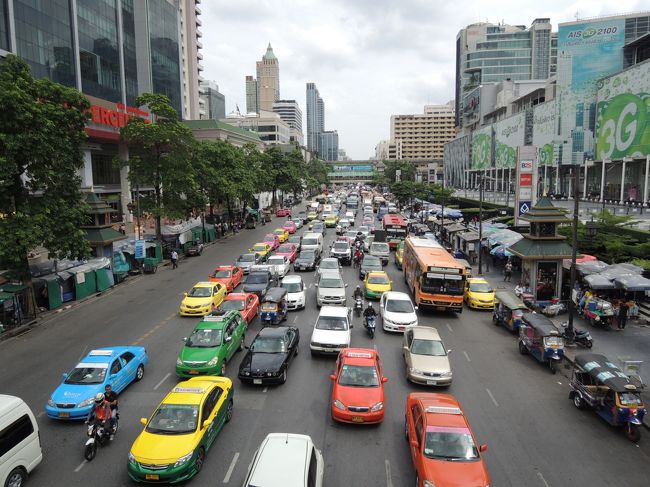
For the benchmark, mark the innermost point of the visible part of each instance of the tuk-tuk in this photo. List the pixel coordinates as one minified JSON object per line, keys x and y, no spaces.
{"x":274,"y":306}
{"x":251,"y":221}
{"x":539,"y":337}
{"x":599,"y":384}
{"x":267,"y":215}
{"x":508,"y":310}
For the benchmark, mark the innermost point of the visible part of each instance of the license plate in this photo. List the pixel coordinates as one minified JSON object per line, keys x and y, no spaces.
{"x":64,"y":415}
{"x":151,"y":476}
{"x":193,"y":372}
{"x":432,"y":382}
{"x":357,"y":419}
{"x":257,"y":381}
{"x":401,"y":328}
{"x":440,"y":308}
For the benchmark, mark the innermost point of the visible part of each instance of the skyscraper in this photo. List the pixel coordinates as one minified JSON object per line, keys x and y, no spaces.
{"x":213,"y":101}
{"x":315,"y":117}
{"x":252,"y":100}
{"x":193,"y":104}
{"x":328,"y":145}
{"x":268,"y":80}
{"x":290,"y":112}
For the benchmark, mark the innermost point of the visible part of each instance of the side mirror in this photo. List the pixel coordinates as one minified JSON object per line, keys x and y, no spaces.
{"x":449,"y":351}
{"x":185,"y":294}
{"x":207,"y":423}
{"x":143,"y":421}
{"x":332,"y":376}
{"x":482,"y":448}
{"x":384,"y":379}
{"x":65,"y":375}
{"x":415,"y":307}
{"x":228,"y":339}
{"x":346,"y":284}
{"x":184,"y":339}
{"x":247,"y":347}
{"x":316,"y":285}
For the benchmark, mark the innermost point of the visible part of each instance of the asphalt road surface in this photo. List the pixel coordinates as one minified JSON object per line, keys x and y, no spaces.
{"x":535,"y":436}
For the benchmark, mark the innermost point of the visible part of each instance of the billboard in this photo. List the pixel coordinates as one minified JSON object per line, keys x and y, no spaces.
{"x":623,"y":114}
{"x":508,"y":135}
{"x":545,"y":136}
{"x":482,"y":148}
{"x":587,"y":51}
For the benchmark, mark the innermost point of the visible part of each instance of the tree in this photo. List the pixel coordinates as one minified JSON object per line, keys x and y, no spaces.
{"x":315,"y":174}
{"x":407,"y":169}
{"x":379,"y":179}
{"x":160,"y":156}
{"x":42,"y":128}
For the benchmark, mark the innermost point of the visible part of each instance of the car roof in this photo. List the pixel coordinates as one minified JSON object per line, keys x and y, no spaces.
{"x":192,"y":391}
{"x":329,"y":259}
{"x":274,"y":331}
{"x":216,"y":322}
{"x":477,"y":280}
{"x":359,"y":356}
{"x":425,"y":332}
{"x":282,"y":461}
{"x":205,"y":284}
{"x":292,"y":278}
{"x":441,"y":409}
{"x":330,"y":274}
{"x":333,"y":311}
{"x":233,"y":296}
{"x":372,"y":258}
{"x":8,"y":404}
{"x":378,"y":273}
{"x":396,"y":296}
{"x":103,"y":355}
{"x":225,"y":267}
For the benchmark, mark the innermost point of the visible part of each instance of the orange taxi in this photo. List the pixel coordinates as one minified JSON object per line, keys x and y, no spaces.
{"x":248,"y":304}
{"x":443,"y":447}
{"x":358,"y":391}
{"x":228,"y":275}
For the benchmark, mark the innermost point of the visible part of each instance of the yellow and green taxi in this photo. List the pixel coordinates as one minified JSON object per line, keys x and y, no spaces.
{"x":282,"y":234}
{"x":177,"y":436}
{"x":331,"y":220}
{"x":312,"y":215}
{"x":399,"y":254}
{"x":376,"y":283}
{"x":202,"y":298}
{"x":479,"y":294}
{"x":261,"y":249}
{"x":211,"y":345}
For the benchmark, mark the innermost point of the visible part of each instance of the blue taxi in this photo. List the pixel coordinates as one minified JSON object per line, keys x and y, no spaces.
{"x":117,"y":366}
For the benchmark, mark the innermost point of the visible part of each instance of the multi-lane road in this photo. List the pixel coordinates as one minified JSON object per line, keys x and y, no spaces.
{"x":535,"y":435}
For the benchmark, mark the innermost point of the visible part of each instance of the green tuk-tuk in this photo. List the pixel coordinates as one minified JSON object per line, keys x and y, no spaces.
{"x":508,"y":310}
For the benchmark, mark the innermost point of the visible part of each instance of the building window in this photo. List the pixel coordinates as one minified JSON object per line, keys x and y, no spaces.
{"x":105,"y":172}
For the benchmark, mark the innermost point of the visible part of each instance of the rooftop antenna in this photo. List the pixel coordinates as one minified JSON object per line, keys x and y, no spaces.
{"x":577,"y":15}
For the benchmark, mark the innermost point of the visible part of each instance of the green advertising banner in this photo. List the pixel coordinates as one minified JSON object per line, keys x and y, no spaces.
{"x":482,"y":148}
{"x":544,"y":133}
{"x":509,"y":134}
{"x":623,"y":114}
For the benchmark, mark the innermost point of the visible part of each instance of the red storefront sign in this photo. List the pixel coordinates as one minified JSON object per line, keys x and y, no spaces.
{"x":116,"y":118}
{"x":525,"y":179}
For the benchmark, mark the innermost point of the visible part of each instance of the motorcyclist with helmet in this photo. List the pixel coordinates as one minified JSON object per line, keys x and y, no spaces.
{"x":101,"y":411}
{"x":358,"y":293}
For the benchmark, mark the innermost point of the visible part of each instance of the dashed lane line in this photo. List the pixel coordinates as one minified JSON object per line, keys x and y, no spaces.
{"x":81,"y":465}
{"x":226,"y":479}
{"x":389,"y":477}
{"x":492,"y":397}
{"x":161,"y":381}
{"x":449,"y":327}
{"x":154,"y":329}
{"x":541,"y":477}
{"x":467,"y":356}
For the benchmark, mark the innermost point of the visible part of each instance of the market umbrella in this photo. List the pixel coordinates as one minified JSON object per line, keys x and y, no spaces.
{"x":501,"y":251}
{"x":591,"y":267}
{"x":598,"y":282}
{"x":633,"y":282}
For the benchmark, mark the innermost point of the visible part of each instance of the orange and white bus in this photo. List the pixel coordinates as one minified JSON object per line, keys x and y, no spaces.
{"x":396,"y":228}
{"x":435,"y":278}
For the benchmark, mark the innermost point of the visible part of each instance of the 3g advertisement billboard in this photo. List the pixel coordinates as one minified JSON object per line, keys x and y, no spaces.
{"x":482,"y":148}
{"x":508,"y":134}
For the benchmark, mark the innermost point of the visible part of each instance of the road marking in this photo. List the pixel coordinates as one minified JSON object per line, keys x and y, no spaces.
{"x":163,"y":380}
{"x":389,"y":477}
{"x":153,"y":330}
{"x":466,"y":356}
{"x":492,"y":397}
{"x":310,"y":285}
{"x":541,"y":477}
{"x":226,"y":479}
{"x":449,"y":327}
{"x":294,"y":319}
{"x":41,"y":414}
{"x":81,"y":465}
{"x":265,"y":389}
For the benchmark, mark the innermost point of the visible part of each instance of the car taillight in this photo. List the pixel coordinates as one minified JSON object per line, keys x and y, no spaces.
{"x":39,"y":439}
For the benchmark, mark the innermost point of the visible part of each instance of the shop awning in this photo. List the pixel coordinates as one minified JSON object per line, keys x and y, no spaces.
{"x":591,"y":267}
{"x":598,"y":282}
{"x":633,"y":283}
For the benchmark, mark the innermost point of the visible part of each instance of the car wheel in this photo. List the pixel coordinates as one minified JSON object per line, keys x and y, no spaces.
{"x":417,"y":480}
{"x":16,"y":478}
{"x":522,"y":348}
{"x":223,"y":369}
{"x":200,"y":459}
{"x":577,"y":401}
{"x":229,"y":411}
{"x":139,"y":374}
{"x":283,"y":378}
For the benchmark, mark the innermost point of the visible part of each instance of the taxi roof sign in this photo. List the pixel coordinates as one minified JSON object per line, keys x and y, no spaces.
{"x":101,"y":353}
{"x":443,"y":410}
{"x":214,"y":317}
{"x":189,"y":390}
{"x":358,"y":355}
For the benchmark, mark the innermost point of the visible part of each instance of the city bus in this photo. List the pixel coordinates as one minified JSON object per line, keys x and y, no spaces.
{"x":434,"y":277}
{"x":396,"y":228}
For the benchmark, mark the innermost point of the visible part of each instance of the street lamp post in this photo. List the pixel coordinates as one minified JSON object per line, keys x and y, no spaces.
{"x":480,"y":224}
{"x":574,"y":252}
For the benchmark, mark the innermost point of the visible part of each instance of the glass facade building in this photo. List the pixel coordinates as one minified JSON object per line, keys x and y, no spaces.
{"x":164,"y":45}
{"x":128,"y":52}
{"x":4,"y":28}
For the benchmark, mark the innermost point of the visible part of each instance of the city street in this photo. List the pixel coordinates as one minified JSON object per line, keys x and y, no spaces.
{"x":535,"y":436}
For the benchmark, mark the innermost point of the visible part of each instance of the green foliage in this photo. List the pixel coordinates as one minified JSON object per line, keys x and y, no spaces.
{"x":407,"y":169}
{"x":315,"y":174}
{"x":645,"y":263}
{"x":379,"y":179}
{"x":41,"y":133}
{"x":439,"y":194}
{"x":281,"y":171}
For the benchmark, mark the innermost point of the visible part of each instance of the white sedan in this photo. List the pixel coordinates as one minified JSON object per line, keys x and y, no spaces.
{"x":397,"y":311}
{"x":295,"y":291}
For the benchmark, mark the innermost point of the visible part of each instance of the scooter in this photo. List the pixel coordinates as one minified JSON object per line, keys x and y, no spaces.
{"x":370,"y":326}
{"x":98,"y":434}
{"x":581,"y":337}
{"x":358,"y":306}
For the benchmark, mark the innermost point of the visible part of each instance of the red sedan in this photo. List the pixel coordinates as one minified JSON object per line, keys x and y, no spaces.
{"x":290,"y":227}
{"x":246,"y":303}
{"x":228,"y":275}
{"x":288,"y":250}
{"x":283,"y":212}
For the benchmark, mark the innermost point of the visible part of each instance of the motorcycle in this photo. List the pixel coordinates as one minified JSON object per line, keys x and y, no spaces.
{"x":358,"y":306}
{"x":98,"y":434}
{"x":581,"y":337}
{"x":370,"y":325}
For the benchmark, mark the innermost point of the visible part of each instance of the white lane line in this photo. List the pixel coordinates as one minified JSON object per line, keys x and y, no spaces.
{"x":226,"y":479}
{"x":449,"y":327}
{"x":265,"y":389}
{"x":541,"y":477}
{"x":389,"y":477}
{"x":163,"y":380}
{"x":294,"y":319}
{"x":466,"y":356}
{"x":81,"y":465}
{"x":492,"y":397}
{"x":310,"y":285}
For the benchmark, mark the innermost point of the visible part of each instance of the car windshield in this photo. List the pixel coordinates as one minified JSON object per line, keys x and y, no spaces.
{"x":379,"y":247}
{"x":307,"y":255}
{"x":331,"y":282}
{"x":174,"y":419}
{"x":87,"y":375}
{"x":317,"y":226}
{"x":359,"y":376}
{"x":247,"y":258}
{"x":269,"y":345}
{"x":338,"y":323}
{"x":261,"y":247}
{"x":371,"y":261}
{"x":399,"y":306}
{"x":232,"y":304}
{"x":204,"y":339}
{"x":449,"y":444}
{"x":480,"y":287}
{"x":285,"y":249}
{"x":378,"y":279}
{"x":629,"y":399}
{"x":222,"y":273}
{"x":276,"y":260}
{"x":256,"y":279}
{"x":292,"y":287}
{"x":310,"y":241}
{"x":200,"y":292}
{"x":341,"y":246}
{"x":279,"y":232}
{"x":433,"y":348}
{"x":352,"y":234}
{"x":329,"y":264}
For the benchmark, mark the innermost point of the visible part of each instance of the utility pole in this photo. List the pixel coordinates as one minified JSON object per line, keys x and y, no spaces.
{"x":480,"y":224}
{"x":574,"y":252}
{"x":442,"y":213}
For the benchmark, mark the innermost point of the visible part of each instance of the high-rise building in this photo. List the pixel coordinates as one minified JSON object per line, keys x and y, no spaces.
{"x":423,"y":136}
{"x":487,"y":53}
{"x":328,"y":145}
{"x":290,"y":112}
{"x":193,"y":104}
{"x":268,"y":125}
{"x":252,"y":99}
{"x":213,"y":101}
{"x":315,"y":116}
{"x":268,"y":80}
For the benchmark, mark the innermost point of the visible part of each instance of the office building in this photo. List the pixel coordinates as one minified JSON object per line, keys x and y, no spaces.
{"x":270,"y":128}
{"x":213,"y":101}
{"x":328,"y":143}
{"x":193,"y":104}
{"x":291,"y":113}
{"x":315,"y":116}
{"x":488,"y":53}
{"x":268,"y":80}
{"x":252,"y":99}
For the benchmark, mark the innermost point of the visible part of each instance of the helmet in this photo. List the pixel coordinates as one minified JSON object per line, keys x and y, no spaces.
{"x":358,"y":286}
{"x":99,"y":398}
{"x":369,"y":304}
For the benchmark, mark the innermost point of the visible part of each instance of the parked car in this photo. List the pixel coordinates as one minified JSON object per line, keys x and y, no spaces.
{"x":298,"y":221}
{"x":376,"y":284}
{"x":290,"y":226}
{"x":288,"y":250}
{"x":269,"y":356}
{"x":425,"y":357}
{"x":479,"y":294}
{"x":295,"y":240}
{"x":272,"y":240}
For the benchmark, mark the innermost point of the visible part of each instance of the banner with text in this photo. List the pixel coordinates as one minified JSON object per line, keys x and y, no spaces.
{"x":482,"y":148}
{"x":508,"y":134}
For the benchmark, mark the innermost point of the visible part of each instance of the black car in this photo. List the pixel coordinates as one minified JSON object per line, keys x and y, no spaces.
{"x":268,"y":357}
{"x":307,"y":260}
{"x":370,"y":263}
{"x":258,"y":282}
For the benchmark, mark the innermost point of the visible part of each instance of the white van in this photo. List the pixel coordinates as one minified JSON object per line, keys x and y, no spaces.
{"x":20,"y":441}
{"x":311,"y":241}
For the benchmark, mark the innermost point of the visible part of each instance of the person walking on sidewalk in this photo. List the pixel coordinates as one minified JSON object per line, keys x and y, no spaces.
{"x":174,"y":257}
{"x":508,"y":272}
{"x":486,"y":255}
{"x":622,"y":315}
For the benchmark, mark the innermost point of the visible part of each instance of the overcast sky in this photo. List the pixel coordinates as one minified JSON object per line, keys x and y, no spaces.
{"x":368,"y":58}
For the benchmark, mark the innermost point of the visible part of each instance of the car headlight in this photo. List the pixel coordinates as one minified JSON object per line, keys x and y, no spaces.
{"x":179,"y":361}
{"x":377,"y":407}
{"x":428,"y":483}
{"x":132,"y":458}
{"x":51,"y":403}
{"x":446,"y":374}
{"x":214,"y":361}
{"x":413,"y":370}
{"x":86,"y":402}
{"x":339,"y":405}
{"x":184,"y":459}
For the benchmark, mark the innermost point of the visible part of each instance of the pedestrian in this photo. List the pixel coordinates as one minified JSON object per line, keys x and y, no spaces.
{"x":622,"y":315}
{"x":508,"y":271}
{"x":174,"y":257}
{"x":122,"y":228}
{"x":486,"y":256}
